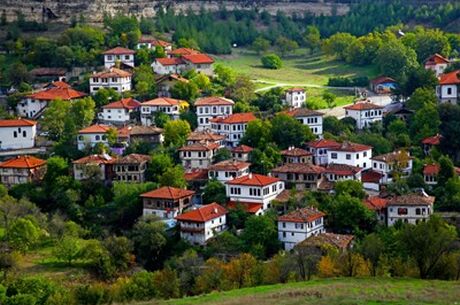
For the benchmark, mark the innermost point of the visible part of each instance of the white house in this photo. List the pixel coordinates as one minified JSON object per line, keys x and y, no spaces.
{"x":295,"y":97}
{"x":228,"y":170}
{"x":205,"y":137}
{"x":114,"y":78}
{"x":200,"y":225}
{"x":17,"y":134}
{"x":437,"y":63}
{"x":33,"y":105}
{"x":173,"y":65}
{"x":298,"y":225}
{"x":319,"y":149}
{"x":83,"y":167}
{"x":92,"y":135}
{"x":199,"y":155}
{"x":410,"y":208}
{"x":166,"y":202}
{"x":170,"y":106}
{"x":397,"y":162}
{"x":208,"y":108}
{"x":430,"y":174}
{"x":232,"y":127}
{"x":152,"y":43}
{"x":340,"y":172}
{"x":119,"y":112}
{"x":22,"y":169}
{"x":201,"y":63}
{"x":241,"y":153}
{"x":254,"y":188}
{"x":448,"y":88}
{"x":300,"y":176}
{"x":296,"y":155}
{"x":353,"y":154}
{"x":166,"y":82}
{"x":365,"y":113}
{"x":118,"y":54}
{"x":181,"y":52}
{"x":310,"y":118}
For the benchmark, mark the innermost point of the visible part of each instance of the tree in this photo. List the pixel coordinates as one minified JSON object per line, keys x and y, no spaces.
{"x":243,"y":89}
{"x":23,"y":234}
{"x":187,"y":91}
{"x":351,"y":187}
{"x":427,"y":242}
{"x":214,"y":191}
{"x":429,"y":42}
{"x":258,"y":133}
{"x":68,"y":249}
{"x":417,"y":78}
{"x":271,"y":61}
{"x":307,"y":259}
{"x":161,"y":119}
{"x":260,"y":236}
{"x":222,"y":155}
{"x":285,"y":45}
{"x":12,"y":209}
{"x":425,"y":123}
{"x":260,"y":45}
{"x":395,"y":59}
{"x":149,"y":238}
{"x":422,"y":97}
{"x":144,"y":82}
{"x":329,"y":98}
{"x":17,"y":74}
{"x":449,"y":116}
{"x":55,"y":118}
{"x":105,"y":95}
{"x":287,"y":131}
{"x":166,"y":283}
{"x":372,"y":248}
{"x":120,"y":249}
{"x":446,"y":170}
{"x":312,"y":38}
{"x":158,"y":166}
{"x":173,"y":177}
{"x":176,"y":132}
{"x":337,"y":44}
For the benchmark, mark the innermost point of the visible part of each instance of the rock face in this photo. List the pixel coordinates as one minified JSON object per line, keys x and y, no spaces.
{"x":94,"y":10}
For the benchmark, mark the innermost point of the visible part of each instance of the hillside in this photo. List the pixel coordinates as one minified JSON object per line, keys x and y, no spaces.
{"x":334,"y":291}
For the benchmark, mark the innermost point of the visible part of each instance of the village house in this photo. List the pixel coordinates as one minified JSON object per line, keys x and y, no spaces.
{"x":120,"y":112}
{"x":166,"y":202}
{"x":199,"y":225}
{"x":340,"y":242}
{"x":298,"y":225}
{"x":212,"y":107}
{"x":254,"y":191}
{"x":48,"y":74}
{"x":181,"y":52}
{"x":365,"y":113}
{"x":205,"y":137}
{"x":379,"y":206}
{"x":166,"y":66}
{"x":232,"y":127}
{"x":396,"y":163}
{"x":152,"y":43}
{"x":228,"y":169}
{"x":372,"y":180}
{"x":17,"y":134}
{"x":131,"y":168}
{"x":310,"y":118}
{"x":437,"y":63}
{"x":201,"y":63}
{"x":197,"y":155}
{"x":448,"y":89}
{"x":93,"y":167}
{"x":430,"y":174}
{"x":300,"y":176}
{"x":118,"y":55}
{"x":430,"y":142}
{"x":295,"y":97}
{"x":339,"y":172}
{"x":241,"y":153}
{"x":296,"y":155}
{"x":145,"y":134}
{"x":319,"y":149}
{"x":358,"y":155}
{"x":33,"y":105}
{"x":167,"y":105}
{"x":114,"y":78}
{"x":383,"y":85}
{"x":166,"y":82}
{"x":22,"y":169}
{"x":410,"y":208}
{"x":92,"y":135}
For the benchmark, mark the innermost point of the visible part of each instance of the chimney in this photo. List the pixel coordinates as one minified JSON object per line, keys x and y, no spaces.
{"x":215,"y":211}
{"x":250,"y":175}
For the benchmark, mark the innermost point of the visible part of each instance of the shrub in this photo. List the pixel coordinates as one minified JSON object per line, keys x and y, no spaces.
{"x":271,"y":61}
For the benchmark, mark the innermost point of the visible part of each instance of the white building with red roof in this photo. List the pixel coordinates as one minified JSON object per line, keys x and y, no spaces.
{"x":299,"y":176}
{"x":379,"y":206}
{"x":430,"y":174}
{"x":22,"y":169}
{"x":298,"y":225}
{"x":167,"y":105}
{"x":319,"y":149}
{"x":120,"y":112}
{"x":92,"y":135}
{"x":296,"y":155}
{"x":212,"y":107}
{"x":33,"y":105}
{"x":354,"y":154}
{"x":17,"y":134}
{"x":118,"y":54}
{"x":410,"y":208}
{"x":198,"y":155}
{"x":295,"y":97}
{"x":179,"y":52}
{"x":199,"y":225}
{"x":166,"y":65}
{"x":241,"y":153}
{"x":228,"y":170}
{"x":113,"y":78}
{"x":340,"y":172}
{"x":430,"y":142}
{"x":437,"y":63}
{"x":448,"y":90}
{"x":93,"y":167}
{"x":365,"y":113}
{"x":201,"y":63}
{"x":152,"y":43}
{"x":393,"y":164}
{"x":254,"y":188}
{"x":232,"y":127}
{"x":166,"y":202}
{"x":310,"y":118}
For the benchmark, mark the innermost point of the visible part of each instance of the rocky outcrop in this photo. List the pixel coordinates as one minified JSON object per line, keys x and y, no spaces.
{"x":94,"y":10}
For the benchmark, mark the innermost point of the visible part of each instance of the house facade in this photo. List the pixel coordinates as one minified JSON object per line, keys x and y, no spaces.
{"x":228,"y":170}
{"x":198,"y":155}
{"x":120,"y":112}
{"x":201,"y":63}
{"x":436,"y":63}
{"x":166,"y":82}
{"x":397,"y":163}
{"x":118,"y":55}
{"x":430,"y":174}
{"x":241,"y":153}
{"x":299,"y":225}
{"x":131,"y":168}
{"x":296,"y":155}
{"x":232,"y":127}
{"x":92,"y":135}
{"x":310,"y":118}
{"x":165,"y":66}
{"x":22,"y":169}
{"x":448,"y":88}
{"x":167,"y":105}
{"x":205,"y":137}
{"x":152,"y":43}
{"x":319,"y":149}
{"x":365,"y":113}
{"x":353,"y":154}
{"x":113,"y":78}
{"x":208,"y":108}
{"x":17,"y":134}
{"x":430,"y":142}
{"x":93,"y":167}
{"x":299,"y":176}
{"x":339,"y":172}
{"x":383,"y":85}
{"x":295,"y":97}
{"x":166,"y":202}
{"x":411,"y":208}
{"x":379,"y":206}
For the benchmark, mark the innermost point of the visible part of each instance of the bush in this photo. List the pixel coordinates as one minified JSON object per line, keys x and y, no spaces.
{"x":348,"y":82}
{"x":271,"y":61}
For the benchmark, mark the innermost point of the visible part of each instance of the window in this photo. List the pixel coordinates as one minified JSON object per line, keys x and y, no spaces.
{"x":449,"y":90}
{"x":24,"y":133}
{"x":97,"y":138}
{"x":402,"y":211}
{"x":333,"y":155}
{"x":284,"y":225}
{"x":365,"y":154}
{"x":348,"y":157}
{"x":15,"y":134}
{"x":418,"y":211}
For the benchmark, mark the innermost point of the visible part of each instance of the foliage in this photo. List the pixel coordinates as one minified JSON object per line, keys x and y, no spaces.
{"x":271,"y":61}
{"x":214,"y":191}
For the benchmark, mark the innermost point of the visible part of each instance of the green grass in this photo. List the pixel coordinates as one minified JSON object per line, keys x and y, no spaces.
{"x":334,"y":291}
{"x":298,"y":68}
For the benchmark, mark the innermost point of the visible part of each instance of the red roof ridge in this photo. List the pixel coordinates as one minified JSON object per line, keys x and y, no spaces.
{"x":24,"y":161}
{"x":203,"y":213}
{"x":17,"y":122}
{"x":118,"y":51}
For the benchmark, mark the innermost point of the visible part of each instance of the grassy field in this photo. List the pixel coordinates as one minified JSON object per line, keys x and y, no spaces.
{"x":334,"y":291}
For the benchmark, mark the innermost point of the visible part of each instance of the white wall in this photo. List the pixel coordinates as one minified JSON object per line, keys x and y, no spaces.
{"x":223,"y":176}
{"x":196,"y":159}
{"x":359,"y":159}
{"x":110,"y":60}
{"x":120,"y":84}
{"x":29,"y":107}
{"x":365,"y":118}
{"x":115,"y":115}
{"x":205,"y":113}
{"x":91,"y":139}
{"x":411,"y":216}
{"x":292,"y":233}
{"x":17,"y":137}
{"x":295,"y":99}
{"x":447,"y":93}
{"x":314,"y":122}
{"x":233,"y":132}
{"x":244,"y":195}
{"x":211,"y":227}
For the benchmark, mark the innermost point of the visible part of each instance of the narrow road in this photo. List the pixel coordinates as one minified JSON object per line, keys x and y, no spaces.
{"x":276,"y":85}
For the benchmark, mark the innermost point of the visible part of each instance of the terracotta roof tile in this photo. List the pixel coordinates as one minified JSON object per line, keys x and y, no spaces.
{"x":183,"y":51}
{"x":363,"y":105}
{"x":229,"y":165}
{"x":173,"y":61}
{"x":55,"y":93}
{"x":167,"y":192}
{"x":242,"y":149}
{"x":430,"y":169}
{"x":196,"y":175}
{"x":198,"y":59}
{"x":60,"y":84}
{"x":213,"y":100}
{"x":394,"y":156}
{"x":411,"y":199}
{"x":204,"y":213}
{"x":340,"y":241}
{"x":303,"y":112}
{"x":17,"y":123}
{"x":96,"y":128}
{"x":23,"y":162}
{"x":236,"y":118}
{"x":450,"y":78}
{"x":199,"y":147}
{"x":295,"y":152}
{"x":323,"y":143}
{"x":375,"y":203}
{"x":371,"y":176}
{"x":254,"y":180}
{"x":250,"y":207}
{"x":299,"y":168}
{"x":163,"y":101}
{"x":204,"y":136}
{"x":296,"y":89}
{"x":302,"y":215}
{"x":133,"y":159}
{"x":118,"y":51}
{"x":342,"y":169}
{"x":94,"y":159}
{"x":351,"y":147}
{"x":382,"y":79}
{"x":434,"y":140}
{"x":126,"y":103}
{"x":112,"y":72}
{"x":436,"y":59}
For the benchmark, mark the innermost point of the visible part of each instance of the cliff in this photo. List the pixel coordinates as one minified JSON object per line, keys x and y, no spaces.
{"x":94,"y":10}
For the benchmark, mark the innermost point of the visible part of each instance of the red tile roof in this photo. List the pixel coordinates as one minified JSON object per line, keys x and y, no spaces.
{"x":213,"y":100}
{"x":450,"y":78}
{"x":96,"y":128}
{"x":342,"y":169}
{"x":112,"y":72}
{"x":303,"y":112}
{"x":236,"y":118}
{"x":199,"y":147}
{"x":118,"y":51}
{"x":253,"y":180}
{"x":302,"y":215}
{"x":133,"y":159}
{"x":198,"y":59}
{"x":229,"y":165}
{"x":352,"y":147}
{"x":430,"y":169}
{"x":198,"y":136}
{"x":203,"y":214}
{"x":17,"y":123}
{"x":196,"y":175}
{"x":340,"y":241}
{"x":162,"y":101}
{"x":126,"y":103}
{"x":242,"y":149}
{"x":167,"y":192}
{"x":436,"y":59}
{"x":394,"y":156}
{"x":94,"y":159}
{"x":60,"y":84}
{"x":170,"y":61}
{"x":23,"y":162}
{"x":155,"y":42}
{"x":323,"y":143}
{"x":375,"y":203}
{"x":411,"y":199}
{"x":296,"y":89}
{"x":434,"y":140}
{"x":183,"y":51}
{"x":295,"y":152}
{"x":382,"y":79}
{"x":55,"y":93}
{"x":363,"y":105}
{"x":250,"y":207}
{"x":299,"y":168}
{"x":371,"y":176}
